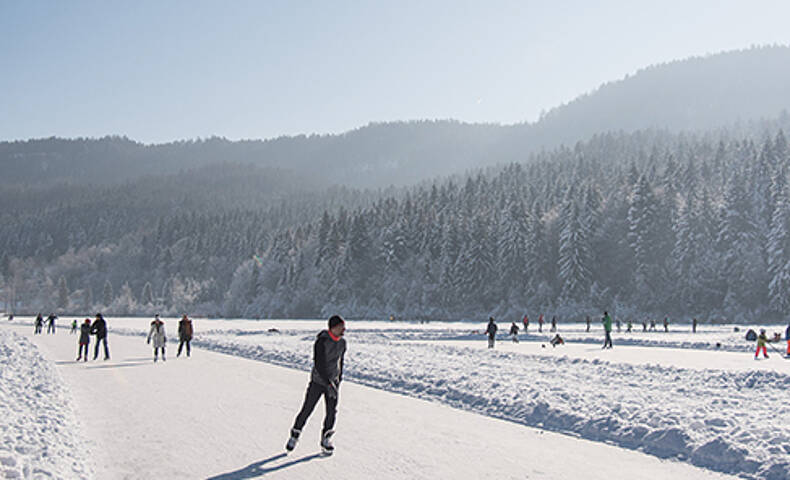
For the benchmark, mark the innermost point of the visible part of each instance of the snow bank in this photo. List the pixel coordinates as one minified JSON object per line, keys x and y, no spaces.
{"x":38,"y":428}
{"x":731,"y":422}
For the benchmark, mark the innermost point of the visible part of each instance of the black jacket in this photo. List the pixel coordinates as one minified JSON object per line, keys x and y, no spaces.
{"x":491,"y":329}
{"x":99,"y":328}
{"x":328,"y":360}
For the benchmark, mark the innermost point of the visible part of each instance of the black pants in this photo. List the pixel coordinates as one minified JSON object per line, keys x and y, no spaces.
{"x":51,"y":328}
{"x":96,"y":348}
{"x":608,"y":341}
{"x":181,"y":344}
{"x":314,"y":392}
{"x":156,"y":352}
{"x":82,"y":346}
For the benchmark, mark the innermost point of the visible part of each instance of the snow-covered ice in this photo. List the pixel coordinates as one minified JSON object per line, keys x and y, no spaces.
{"x":662,"y":396}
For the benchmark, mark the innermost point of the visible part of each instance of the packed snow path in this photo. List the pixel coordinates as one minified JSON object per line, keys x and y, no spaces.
{"x":224,"y":417}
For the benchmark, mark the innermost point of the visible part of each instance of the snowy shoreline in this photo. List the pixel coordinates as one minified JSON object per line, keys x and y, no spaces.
{"x":41,"y":437}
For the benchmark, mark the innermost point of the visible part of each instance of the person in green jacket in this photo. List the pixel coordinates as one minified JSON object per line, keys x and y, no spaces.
{"x":607,"y":326}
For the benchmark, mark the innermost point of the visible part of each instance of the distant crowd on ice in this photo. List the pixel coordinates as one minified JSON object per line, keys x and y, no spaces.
{"x":98,"y":327}
{"x":761,"y":339}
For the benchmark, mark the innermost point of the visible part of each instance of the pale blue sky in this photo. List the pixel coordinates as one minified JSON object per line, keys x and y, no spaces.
{"x":164,"y":70}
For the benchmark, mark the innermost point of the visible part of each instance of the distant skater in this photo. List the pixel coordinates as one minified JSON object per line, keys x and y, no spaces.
{"x":38,"y":324}
{"x":644,"y":325}
{"x":540,"y":323}
{"x":554,"y":323}
{"x":514,"y":332}
{"x":607,"y":327}
{"x":51,"y":323}
{"x":628,"y":326}
{"x":652,"y":325}
{"x":491,"y":332}
{"x":184,"y":334}
{"x":73,"y":327}
{"x":787,"y":337}
{"x":157,"y":333}
{"x":526,"y":323}
{"x":588,"y":323}
{"x":327,"y":373}
{"x":693,"y":325}
{"x":99,"y":328}
{"x":617,"y":324}
{"x":666,"y":324}
{"x":762,"y":340}
{"x":85,"y":339}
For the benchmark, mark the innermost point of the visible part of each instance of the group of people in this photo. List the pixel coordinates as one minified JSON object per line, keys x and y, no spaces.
{"x":763,"y":340}
{"x":98,"y":328}
{"x":158,"y":336}
{"x":492,"y":328}
{"x":525,"y":322}
{"x":39,"y":323}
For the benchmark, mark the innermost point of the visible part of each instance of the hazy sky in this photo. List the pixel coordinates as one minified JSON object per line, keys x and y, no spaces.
{"x":163,"y":70}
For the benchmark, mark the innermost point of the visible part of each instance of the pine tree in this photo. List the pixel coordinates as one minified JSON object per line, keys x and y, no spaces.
{"x":513,"y":240}
{"x":574,"y":255}
{"x":779,"y":255}
{"x":324,"y":230}
{"x":643,"y":238}
{"x":147,"y":297}
{"x":87,"y":299}
{"x":107,"y":295}
{"x":63,"y":293}
{"x":475,"y":266}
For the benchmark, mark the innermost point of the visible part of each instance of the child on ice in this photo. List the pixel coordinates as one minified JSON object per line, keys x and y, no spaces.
{"x":514,"y":331}
{"x":762,"y":340}
{"x":85,"y":338}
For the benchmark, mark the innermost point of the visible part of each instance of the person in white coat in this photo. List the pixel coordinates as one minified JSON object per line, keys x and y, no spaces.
{"x":157,"y":334}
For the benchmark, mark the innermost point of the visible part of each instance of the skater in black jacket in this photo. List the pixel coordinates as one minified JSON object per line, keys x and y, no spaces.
{"x":325,"y":378}
{"x":99,"y":328}
{"x":51,"y":323}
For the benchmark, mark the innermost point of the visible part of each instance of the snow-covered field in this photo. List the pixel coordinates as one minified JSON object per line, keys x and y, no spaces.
{"x":695,"y":399}
{"x":41,"y":437}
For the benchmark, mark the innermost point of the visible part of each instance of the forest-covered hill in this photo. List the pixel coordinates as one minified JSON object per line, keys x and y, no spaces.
{"x":696,"y":94}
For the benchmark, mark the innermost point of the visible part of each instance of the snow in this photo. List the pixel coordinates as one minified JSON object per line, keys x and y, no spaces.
{"x":40,"y":434}
{"x":662,"y":406}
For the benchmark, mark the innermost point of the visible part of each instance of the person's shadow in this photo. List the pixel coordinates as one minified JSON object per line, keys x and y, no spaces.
{"x":258,"y":469}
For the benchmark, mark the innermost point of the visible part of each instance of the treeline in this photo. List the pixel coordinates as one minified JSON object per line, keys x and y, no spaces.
{"x":643,"y":223}
{"x":157,"y":243}
{"x":639,"y":224}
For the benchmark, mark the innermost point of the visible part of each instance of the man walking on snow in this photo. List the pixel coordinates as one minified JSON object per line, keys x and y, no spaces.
{"x":325,"y":378}
{"x":607,"y":326}
{"x":491,"y":332}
